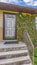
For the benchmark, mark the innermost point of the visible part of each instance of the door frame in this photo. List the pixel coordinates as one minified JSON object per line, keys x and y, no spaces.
{"x":4,"y":26}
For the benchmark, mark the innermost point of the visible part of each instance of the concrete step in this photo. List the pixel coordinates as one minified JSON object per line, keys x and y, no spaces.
{"x":10,"y":61}
{"x":27,"y":64}
{"x":10,"y":41}
{"x":10,"y":47}
{"x":16,"y":53}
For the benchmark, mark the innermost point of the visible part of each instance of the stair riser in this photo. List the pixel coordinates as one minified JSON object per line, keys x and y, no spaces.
{"x":12,"y":49}
{"x":18,"y":63}
{"x":12,"y":56}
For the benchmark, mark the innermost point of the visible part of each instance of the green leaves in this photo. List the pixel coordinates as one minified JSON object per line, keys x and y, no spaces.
{"x":26,"y":22}
{"x":35,"y":56}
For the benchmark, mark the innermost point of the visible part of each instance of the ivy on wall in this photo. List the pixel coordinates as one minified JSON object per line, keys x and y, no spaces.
{"x":26,"y":22}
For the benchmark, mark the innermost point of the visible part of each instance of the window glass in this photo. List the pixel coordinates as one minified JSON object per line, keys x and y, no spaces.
{"x":36,"y":22}
{"x":10,"y":21}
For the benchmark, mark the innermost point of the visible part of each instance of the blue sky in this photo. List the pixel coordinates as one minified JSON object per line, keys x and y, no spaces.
{"x":27,"y":3}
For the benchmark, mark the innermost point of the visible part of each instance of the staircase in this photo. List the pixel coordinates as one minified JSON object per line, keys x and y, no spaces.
{"x":14,"y":54}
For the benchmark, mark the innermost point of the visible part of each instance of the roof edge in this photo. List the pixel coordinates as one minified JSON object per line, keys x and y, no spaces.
{"x":12,"y":7}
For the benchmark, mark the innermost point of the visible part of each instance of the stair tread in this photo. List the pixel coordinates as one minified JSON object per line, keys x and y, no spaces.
{"x":20,"y":44}
{"x":27,"y":64}
{"x":10,"y":40}
{"x":13,"y":52}
{"x":13,"y":60}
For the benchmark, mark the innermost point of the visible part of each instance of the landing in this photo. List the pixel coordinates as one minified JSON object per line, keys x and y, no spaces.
{"x":2,"y":45}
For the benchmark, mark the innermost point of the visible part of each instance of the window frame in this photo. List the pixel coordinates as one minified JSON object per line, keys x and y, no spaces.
{"x":4,"y":26}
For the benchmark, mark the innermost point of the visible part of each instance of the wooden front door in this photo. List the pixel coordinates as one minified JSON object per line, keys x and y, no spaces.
{"x":9,"y":26}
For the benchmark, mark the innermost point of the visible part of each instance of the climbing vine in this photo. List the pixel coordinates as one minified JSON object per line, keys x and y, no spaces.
{"x":26,"y":22}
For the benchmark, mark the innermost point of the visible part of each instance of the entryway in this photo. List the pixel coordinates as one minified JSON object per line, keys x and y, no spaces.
{"x":9,"y":26}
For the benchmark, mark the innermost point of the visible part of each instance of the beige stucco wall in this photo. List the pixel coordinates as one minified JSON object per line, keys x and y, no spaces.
{"x":1,"y":26}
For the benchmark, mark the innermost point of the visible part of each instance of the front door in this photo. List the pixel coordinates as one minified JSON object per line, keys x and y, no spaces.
{"x":9,"y":26}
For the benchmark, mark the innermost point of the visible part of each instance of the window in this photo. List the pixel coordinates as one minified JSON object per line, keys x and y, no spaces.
{"x":10,"y":26}
{"x":36,"y":22}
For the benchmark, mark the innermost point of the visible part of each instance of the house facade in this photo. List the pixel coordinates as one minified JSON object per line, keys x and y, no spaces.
{"x":14,"y":20}
{"x":10,"y":18}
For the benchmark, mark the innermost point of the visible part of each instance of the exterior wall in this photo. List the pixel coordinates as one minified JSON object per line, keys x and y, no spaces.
{"x":1,"y":26}
{"x":1,"y":22}
{"x":24,"y":22}
{"x":27,"y":22}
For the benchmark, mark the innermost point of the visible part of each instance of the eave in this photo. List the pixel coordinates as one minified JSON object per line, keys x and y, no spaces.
{"x":11,"y":7}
